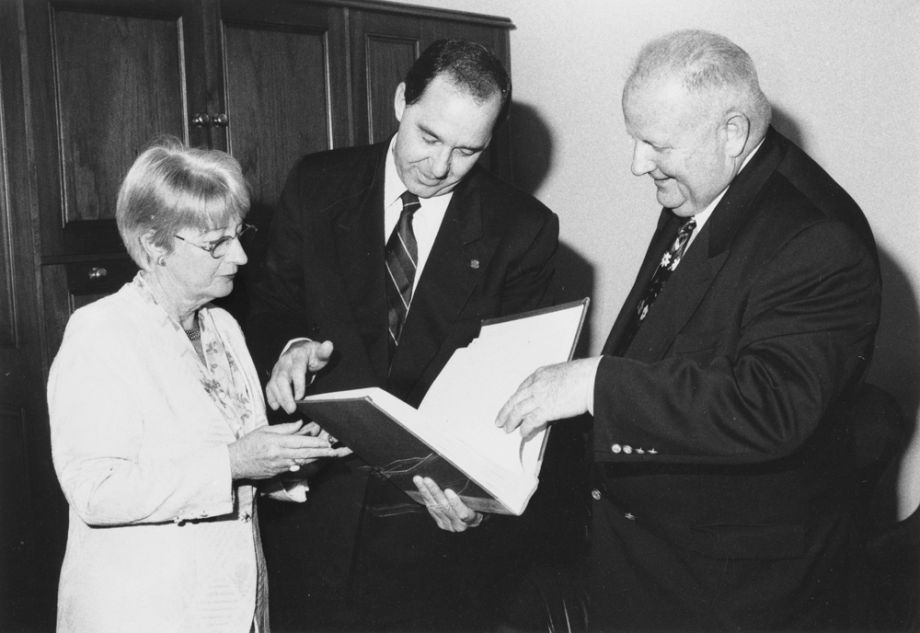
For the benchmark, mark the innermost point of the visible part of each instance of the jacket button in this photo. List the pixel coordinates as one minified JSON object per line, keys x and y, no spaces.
{"x":616,"y":449}
{"x":596,"y":494}
{"x":630,"y":516}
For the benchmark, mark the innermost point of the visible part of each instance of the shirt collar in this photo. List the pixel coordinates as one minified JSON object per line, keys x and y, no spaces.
{"x":393,"y":187}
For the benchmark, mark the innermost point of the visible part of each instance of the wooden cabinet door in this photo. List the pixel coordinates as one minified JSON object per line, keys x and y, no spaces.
{"x":33,"y":515}
{"x":284,"y":91}
{"x":384,"y":45}
{"x":280,"y":92}
{"x":107,"y":77}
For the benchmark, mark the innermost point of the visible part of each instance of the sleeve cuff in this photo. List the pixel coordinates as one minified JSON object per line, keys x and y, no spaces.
{"x":287,"y":490}
{"x":589,"y":385}
{"x":292,"y":341}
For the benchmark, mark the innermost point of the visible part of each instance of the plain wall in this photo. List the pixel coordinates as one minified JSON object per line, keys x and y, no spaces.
{"x":844,"y":78}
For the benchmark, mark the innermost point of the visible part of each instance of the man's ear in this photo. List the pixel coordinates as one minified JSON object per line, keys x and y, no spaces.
{"x":737,"y":128}
{"x":399,"y":100}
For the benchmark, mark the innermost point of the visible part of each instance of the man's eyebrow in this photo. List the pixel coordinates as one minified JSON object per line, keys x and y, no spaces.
{"x":428,"y":132}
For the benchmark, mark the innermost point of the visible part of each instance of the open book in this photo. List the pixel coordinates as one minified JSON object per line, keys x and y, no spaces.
{"x":452,"y":436}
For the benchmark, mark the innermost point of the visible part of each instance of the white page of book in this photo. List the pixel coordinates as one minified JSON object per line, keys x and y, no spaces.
{"x":479,"y":379}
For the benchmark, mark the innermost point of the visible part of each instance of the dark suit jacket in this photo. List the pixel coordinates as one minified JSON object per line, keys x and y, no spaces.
{"x":719,"y":455}
{"x":323,"y":278}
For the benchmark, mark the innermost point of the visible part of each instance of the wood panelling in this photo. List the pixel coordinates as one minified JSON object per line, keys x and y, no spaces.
{"x":32,"y":523}
{"x":279,"y":96}
{"x":388,"y":59}
{"x":260,"y":103}
{"x":7,"y":297}
{"x":384,"y":45}
{"x":117,"y":81}
{"x":15,"y":549}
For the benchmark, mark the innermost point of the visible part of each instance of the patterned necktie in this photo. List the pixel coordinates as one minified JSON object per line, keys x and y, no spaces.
{"x":401,"y":261}
{"x":668,"y":265}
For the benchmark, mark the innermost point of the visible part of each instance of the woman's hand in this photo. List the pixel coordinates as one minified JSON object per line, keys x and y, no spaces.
{"x":271,"y":450}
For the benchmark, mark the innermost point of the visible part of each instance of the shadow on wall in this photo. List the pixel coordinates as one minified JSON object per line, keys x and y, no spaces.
{"x":532,"y":147}
{"x":531,"y":159}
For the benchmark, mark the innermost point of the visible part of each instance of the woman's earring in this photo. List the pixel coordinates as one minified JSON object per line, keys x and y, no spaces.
{"x":161,"y":260}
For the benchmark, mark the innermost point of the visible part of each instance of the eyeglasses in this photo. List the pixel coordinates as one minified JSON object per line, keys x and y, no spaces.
{"x":221,"y":246}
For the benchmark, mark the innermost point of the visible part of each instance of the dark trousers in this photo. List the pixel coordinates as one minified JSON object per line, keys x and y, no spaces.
{"x":411,"y":576}
{"x":636,"y":580}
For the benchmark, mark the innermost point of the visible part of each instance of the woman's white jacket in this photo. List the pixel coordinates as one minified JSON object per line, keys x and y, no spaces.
{"x":159,"y":539}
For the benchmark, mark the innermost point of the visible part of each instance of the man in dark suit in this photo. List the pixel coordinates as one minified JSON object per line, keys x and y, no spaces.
{"x":722,"y":499}
{"x":360,"y":554}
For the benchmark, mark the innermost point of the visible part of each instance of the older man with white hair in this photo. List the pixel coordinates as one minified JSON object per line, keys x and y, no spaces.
{"x":721,"y":499}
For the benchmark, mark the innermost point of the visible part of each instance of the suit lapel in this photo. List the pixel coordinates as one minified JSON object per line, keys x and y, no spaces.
{"x":678,"y":300}
{"x":667,"y":228}
{"x":351,"y":294}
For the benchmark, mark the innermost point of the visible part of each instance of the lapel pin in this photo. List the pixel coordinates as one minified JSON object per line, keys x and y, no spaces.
{"x":474,"y":264}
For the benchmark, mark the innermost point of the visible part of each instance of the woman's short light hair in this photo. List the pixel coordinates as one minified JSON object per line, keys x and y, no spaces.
{"x":171,"y":187}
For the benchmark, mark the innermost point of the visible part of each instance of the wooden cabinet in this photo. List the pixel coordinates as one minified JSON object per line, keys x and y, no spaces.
{"x":84,"y":86}
{"x":25,"y":468}
{"x":265,"y":81}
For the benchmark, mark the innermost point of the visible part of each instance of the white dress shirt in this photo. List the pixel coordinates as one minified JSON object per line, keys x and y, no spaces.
{"x":425,"y":222}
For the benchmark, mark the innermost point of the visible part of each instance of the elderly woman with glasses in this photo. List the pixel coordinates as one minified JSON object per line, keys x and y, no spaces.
{"x":158,"y":423}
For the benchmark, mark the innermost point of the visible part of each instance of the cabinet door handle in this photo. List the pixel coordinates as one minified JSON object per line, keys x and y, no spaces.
{"x":97,"y":272}
{"x":201,"y":119}
{"x":220,"y":119}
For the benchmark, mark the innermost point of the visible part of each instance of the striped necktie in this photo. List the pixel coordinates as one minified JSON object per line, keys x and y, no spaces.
{"x":401,"y":262}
